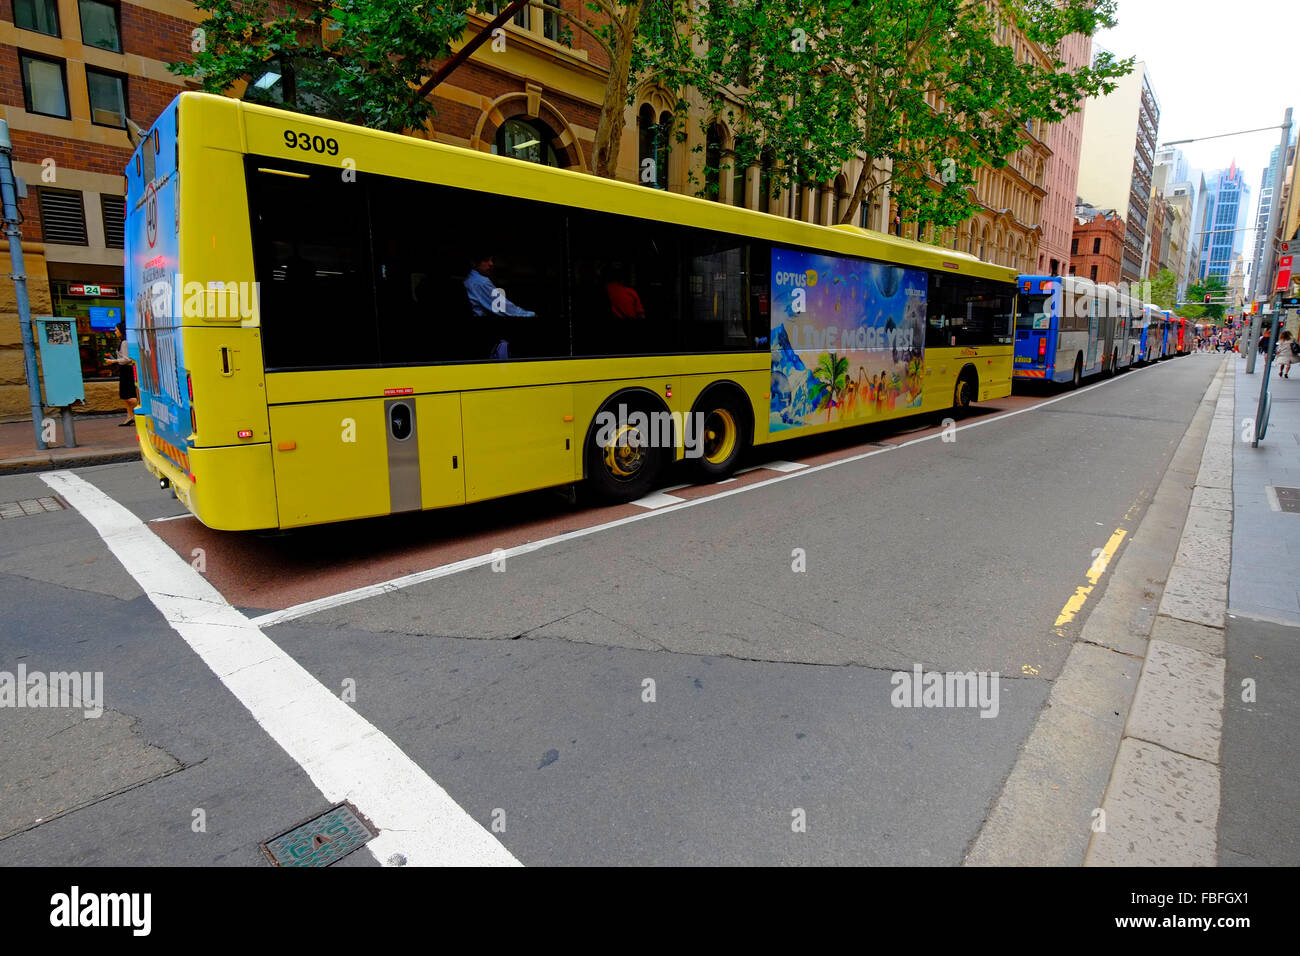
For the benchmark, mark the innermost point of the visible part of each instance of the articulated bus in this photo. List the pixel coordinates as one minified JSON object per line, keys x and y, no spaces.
{"x":1068,"y":328}
{"x":332,"y":322}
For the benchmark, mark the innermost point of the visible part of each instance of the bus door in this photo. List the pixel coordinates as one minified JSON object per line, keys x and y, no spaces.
{"x":1037,"y":322}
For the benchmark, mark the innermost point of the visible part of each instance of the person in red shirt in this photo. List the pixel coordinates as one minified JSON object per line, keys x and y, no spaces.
{"x":624,"y":302}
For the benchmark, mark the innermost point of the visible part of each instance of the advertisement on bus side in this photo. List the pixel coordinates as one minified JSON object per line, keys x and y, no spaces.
{"x":848,"y":339}
{"x":152,"y":259}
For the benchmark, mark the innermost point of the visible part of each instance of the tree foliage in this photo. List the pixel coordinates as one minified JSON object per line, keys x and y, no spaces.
{"x":355,"y":60}
{"x":1196,"y":307}
{"x":1164,"y":290}
{"x":931,"y":86}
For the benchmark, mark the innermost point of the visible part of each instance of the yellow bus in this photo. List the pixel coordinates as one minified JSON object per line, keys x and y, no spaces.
{"x":334,"y":323}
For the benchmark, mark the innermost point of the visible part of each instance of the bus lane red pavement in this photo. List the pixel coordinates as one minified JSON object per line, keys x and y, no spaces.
{"x":270,"y":571}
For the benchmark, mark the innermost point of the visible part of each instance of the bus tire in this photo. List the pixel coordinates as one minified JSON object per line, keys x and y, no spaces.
{"x":967,"y":390}
{"x":1114,"y":364}
{"x":725,"y":432}
{"x":1077,"y":380}
{"x":618,"y":469}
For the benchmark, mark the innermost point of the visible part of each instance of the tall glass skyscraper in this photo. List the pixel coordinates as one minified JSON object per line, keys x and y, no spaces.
{"x":1223,"y":228}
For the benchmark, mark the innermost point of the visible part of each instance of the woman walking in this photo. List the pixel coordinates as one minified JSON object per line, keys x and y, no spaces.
{"x":1288,"y":353}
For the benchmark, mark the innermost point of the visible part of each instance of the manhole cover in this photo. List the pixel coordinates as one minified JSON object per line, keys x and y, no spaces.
{"x":323,"y":839}
{"x":30,"y":506}
{"x":1288,"y":499}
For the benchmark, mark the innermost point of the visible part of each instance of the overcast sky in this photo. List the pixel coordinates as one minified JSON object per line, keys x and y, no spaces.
{"x":1216,"y":67}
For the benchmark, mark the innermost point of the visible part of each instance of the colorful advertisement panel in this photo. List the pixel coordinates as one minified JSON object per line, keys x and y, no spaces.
{"x":848,"y":339}
{"x":152,"y":262}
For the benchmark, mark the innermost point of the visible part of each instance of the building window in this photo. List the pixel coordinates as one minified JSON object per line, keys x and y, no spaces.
{"x":494,"y":7}
{"x":653,"y":147}
{"x":107,"y":98}
{"x":39,"y":16}
{"x":113,"y":211}
{"x":1074,"y":247}
{"x":99,"y":25}
{"x":63,"y":217}
{"x":1093,"y":273}
{"x":551,"y":21}
{"x":1096,"y":246}
{"x":45,"y":87}
{"x":526,"y":140}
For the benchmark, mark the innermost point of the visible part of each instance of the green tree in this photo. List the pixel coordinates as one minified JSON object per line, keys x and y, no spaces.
{"x":925,"y":84}
{"x":353,"y":60}
{"x":1196,"y":307}
{"x":1164,"y":290}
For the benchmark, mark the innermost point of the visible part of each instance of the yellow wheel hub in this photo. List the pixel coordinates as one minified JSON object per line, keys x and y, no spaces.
{"x":623,"y":455}
{"x":719,"y":436}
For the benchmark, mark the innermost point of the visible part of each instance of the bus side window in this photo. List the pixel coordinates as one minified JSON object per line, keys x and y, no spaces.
{"x":716,"y":317}
{"x":313,"y":268}
{"x":619,"y":267}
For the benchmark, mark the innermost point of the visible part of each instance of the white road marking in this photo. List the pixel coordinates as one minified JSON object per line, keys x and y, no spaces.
{"x":657,"y":499}
{"x":344,"y":755}
{"x":784,"y":466}
{"x":1273,"y":503}
{"x":468,"y":564}
{"x":170,"y":518}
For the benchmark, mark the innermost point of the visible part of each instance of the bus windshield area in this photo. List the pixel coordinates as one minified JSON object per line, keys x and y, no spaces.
{"x":1034,"y":312}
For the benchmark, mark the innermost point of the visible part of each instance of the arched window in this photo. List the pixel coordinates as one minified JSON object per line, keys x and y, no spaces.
{"x":663,"y":147}
{"x":652,"y":151}
{"x":528,"y":140}
{"x":713,"y":163}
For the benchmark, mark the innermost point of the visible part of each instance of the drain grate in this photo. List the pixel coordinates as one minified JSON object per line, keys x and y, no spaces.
{"x":323,"y":839}
{"x":1288,"y":499}
{"x":30,"y":506}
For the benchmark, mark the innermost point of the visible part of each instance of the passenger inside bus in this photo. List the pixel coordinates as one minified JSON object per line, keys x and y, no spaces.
{"x":488,"y":301}
{"x":624,"y":303}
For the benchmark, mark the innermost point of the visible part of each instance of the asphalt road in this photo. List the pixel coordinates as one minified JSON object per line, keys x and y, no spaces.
{"x":523,"y":691}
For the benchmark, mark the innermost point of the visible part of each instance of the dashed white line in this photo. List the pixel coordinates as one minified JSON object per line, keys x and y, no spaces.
{"x":345,"y":756}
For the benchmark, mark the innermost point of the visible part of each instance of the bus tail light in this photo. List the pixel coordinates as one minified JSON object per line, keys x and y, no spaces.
{"x":1042,"y":347}
{"x":245,"y":433}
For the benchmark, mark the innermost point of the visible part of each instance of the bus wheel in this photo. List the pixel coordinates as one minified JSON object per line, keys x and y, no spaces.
{"x":1114,"y":363}
{"x":1078,"y":372}
{"x":622,"y":465}
{"x":723,"y":435}
{"x":967,"y":389}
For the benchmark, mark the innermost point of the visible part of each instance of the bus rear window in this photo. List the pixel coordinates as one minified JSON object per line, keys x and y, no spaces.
{"x":1034,"y":312}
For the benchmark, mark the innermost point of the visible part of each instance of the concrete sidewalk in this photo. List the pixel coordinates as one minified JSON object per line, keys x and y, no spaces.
{"x":99,"y":441}
{"x":1260,"y":762}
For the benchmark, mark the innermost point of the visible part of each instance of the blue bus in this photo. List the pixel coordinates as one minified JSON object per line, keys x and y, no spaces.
{"x":1068,"y":328}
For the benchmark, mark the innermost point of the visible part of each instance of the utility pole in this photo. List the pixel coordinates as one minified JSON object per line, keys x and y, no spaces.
{"x":9,"y":204}
{"x":1265,"y":266}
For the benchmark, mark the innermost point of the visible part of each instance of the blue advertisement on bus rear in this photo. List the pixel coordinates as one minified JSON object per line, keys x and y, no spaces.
{"x":848,"y":339}
{"x":152,"y":266}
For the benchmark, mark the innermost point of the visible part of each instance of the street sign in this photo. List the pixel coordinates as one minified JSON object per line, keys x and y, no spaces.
{"x":1283,"y":272}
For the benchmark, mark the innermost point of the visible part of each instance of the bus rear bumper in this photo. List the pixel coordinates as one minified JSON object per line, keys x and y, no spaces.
{"x":231,"y":488}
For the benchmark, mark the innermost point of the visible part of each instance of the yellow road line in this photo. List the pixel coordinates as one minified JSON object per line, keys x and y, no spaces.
{"x":1095,"y":571}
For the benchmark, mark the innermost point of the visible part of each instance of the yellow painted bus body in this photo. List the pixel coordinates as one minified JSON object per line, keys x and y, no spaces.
{"x":315,"y":449}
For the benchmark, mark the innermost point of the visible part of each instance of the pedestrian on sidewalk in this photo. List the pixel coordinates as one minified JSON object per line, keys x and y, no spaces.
{"x":1288,"y":353}
{"x":126,"y":378}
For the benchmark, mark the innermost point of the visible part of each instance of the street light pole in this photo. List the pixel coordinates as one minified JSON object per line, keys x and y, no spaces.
{"x":1267,"y":257}
{"x":9,"y":213}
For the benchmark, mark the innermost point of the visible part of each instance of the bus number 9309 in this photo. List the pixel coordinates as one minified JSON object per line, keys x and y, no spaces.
{"x":312,"y":144}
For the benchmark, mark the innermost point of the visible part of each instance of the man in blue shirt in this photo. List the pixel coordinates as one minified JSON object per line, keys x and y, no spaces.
{"x":486,"y":299}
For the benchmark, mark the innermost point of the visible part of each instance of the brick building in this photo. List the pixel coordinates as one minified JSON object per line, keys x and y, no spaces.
{"x":1065,"y":139}
{"x":1097,"y":246}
